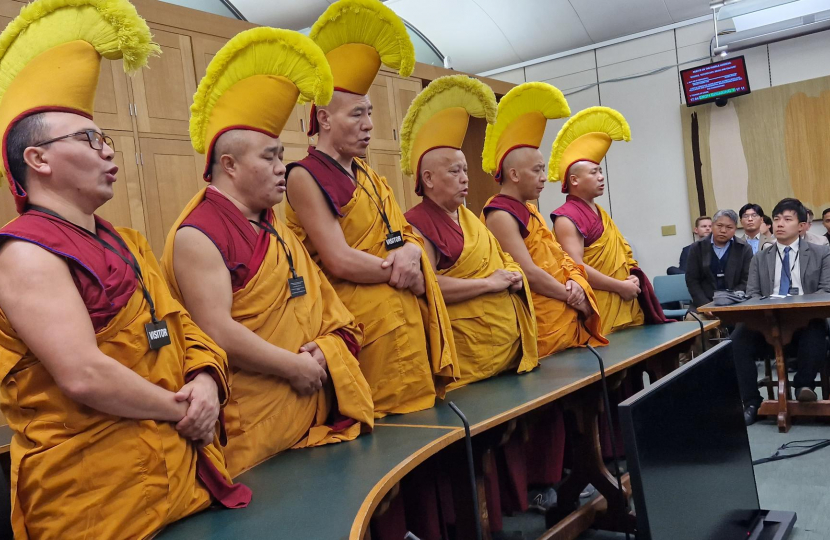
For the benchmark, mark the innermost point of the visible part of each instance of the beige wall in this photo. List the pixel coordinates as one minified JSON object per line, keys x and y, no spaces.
{"x":646,"y":177}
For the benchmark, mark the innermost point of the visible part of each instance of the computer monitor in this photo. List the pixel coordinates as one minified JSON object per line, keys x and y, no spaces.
{"x":688,"y":454}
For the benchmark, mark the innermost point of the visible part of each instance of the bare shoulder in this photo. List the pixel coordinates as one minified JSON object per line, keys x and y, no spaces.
{"x":26,"y":261}
{"x":501,"y":221}
{"x":194,"y":247}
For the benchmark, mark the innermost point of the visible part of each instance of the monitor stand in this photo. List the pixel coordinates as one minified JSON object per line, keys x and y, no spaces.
{"x":774,"y":525}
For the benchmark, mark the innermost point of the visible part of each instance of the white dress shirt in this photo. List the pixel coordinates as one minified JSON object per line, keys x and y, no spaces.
{"x":795,"y":265}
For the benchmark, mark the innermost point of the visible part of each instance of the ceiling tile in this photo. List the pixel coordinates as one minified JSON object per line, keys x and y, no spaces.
{"x":461,"y":30}
{"x":604,"y":20}
{"x":535,"y":28}
{"x":682,"y":10}
{"x":291,"y":15}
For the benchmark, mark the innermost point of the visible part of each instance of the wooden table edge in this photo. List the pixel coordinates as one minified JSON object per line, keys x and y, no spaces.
{"x":360,"y":526}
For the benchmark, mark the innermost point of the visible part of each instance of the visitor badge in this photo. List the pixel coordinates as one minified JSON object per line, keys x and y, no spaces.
{"x":296,"y":286}
{"x":157,"y":334}
{"x":394,"y":240}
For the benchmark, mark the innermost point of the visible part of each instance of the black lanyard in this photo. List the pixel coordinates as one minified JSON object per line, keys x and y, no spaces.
{"x":267,"y":227}
{"x":379,"y":203}
{"x":132,"y":262}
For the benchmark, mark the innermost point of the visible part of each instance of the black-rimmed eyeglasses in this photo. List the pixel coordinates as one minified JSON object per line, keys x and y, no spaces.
{"x":96,"y":140}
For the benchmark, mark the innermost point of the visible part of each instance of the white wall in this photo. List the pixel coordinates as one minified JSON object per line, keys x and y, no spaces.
{"x":646,"y":179}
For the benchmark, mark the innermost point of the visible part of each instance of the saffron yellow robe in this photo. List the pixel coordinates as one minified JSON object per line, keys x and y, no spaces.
{"x":265,"y":415}
{"x":559,"y":325}
{"x":408,"y":354}
{"x":612,"y":256}
{"x":492,"y":332}
{"x":80,"y":473}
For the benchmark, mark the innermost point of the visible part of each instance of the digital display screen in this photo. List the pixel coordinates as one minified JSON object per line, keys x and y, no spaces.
{"x":725,"y":79}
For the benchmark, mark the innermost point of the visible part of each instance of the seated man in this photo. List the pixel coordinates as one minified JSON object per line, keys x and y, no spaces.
{"x":493,"y":324}
{"x":752,"y":217}
{"x":566,"y":308}
{"x":587,"y":232}
{"x":348,"y":219}
{"x":825,"y":220}
{"x":702,"y":229}
{"x":244,"y":276}
{"x":791,"y":266}
{"x":809,"y":235}
{"x":718,"y":263}
{"x":111,"y":390}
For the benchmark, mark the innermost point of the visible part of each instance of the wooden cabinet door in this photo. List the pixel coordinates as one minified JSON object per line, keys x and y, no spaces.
{"x":125,"y":209}
{"x":296,"y":129}
{"x":389,"y":165}
{"x":112,"y":99}
{"x":204,"y":49}
{"x":163,"y":93}
{"x":172,"y":175}
{"x":384,"y":118}
{"x":404,"y":91}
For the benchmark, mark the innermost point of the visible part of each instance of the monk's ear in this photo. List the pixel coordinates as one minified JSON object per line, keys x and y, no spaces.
{"x":426,"y":179}
{"x":323,"y":118}
{"x":228,"y":164}
{"x":35,"y":158}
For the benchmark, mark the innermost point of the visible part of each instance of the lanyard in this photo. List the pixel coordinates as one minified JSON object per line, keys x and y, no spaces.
{"x":792,"y":266}
{"x":382,"y":213}
{"x":267,"y":227}
{"x":132,"y":262}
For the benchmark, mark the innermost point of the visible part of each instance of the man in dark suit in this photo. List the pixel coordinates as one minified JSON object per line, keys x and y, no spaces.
{"x":719,"y":262}
{"x":790,"y":266}
{"x":703,"y":228}
{"x":825,"y":220}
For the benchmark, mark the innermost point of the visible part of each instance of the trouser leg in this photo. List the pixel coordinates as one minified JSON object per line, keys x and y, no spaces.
{"x":812,"y":353}
{"x":747,"y":345}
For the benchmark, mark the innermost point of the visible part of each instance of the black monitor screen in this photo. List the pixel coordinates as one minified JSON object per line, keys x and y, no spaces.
{"x":688,"y":453}
{"x":707,"y":83}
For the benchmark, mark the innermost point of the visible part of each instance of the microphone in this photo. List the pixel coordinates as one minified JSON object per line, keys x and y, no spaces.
{"x":610,"y":420}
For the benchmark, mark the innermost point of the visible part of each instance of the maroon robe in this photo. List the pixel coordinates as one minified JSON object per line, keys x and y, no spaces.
{"x":337,"y":186}
{"x":585,"y":218}
{"x":512,"y":206}
{"x":439,"y":228}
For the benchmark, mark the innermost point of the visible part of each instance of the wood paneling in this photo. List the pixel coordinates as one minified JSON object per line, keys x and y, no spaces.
{"x":126,"y":208}
{"x":112,"y":99}
{"x":482,"y":185}
{"x":388,"y":165}
{"x":384,"y":117}
{"x":172,"y":175}
{"x":163,"y":92}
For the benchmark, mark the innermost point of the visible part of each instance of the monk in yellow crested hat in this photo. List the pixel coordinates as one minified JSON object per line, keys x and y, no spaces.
{"x":482,"y":286}
{"x":347,"y":217}
{"x":587,"y":232}
{"x":121,"y":390}
{"x":564,"y":301}
{"x":245,"y":277}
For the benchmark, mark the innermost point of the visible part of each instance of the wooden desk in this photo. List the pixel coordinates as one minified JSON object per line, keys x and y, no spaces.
{"x":778,"y":319}
{"x":332,"y":491}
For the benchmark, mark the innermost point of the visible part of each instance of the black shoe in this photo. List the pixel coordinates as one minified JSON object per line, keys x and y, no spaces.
{"x":751,"y":413}
{"x":805,"y":395}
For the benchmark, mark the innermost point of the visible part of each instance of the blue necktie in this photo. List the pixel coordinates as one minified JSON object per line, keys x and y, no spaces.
{"x":784,"y":287}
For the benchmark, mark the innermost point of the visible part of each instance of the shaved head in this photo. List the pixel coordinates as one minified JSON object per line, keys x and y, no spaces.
{"x":345,"y":125}
{"x":523,"y":173}
{"x":233,"y":143}
{"x":443,"y":175}
{"x":585,"y":180}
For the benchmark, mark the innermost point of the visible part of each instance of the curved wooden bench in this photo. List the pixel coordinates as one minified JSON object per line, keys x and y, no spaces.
{"x":331,"y":492}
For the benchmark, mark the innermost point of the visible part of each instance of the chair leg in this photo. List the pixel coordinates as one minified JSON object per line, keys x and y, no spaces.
{"x":824,"y":378}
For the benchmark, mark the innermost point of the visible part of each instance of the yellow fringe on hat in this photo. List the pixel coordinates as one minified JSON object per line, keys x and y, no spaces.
{"x":279,"y":52}
{"x":113,"y":27}
{"x":590,"y":120}
{"x":444,"y":93}
{"x":368,"y":22}
{"x":520,"y":100}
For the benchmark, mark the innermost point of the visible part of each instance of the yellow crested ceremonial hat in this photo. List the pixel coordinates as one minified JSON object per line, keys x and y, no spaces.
{"x":523,"y":114}
{"x":253,"y":83}
{"x":50,"y":58}
{"x":586,"y":136}
{"x":438,"y":118}
{"x":357,"y":36}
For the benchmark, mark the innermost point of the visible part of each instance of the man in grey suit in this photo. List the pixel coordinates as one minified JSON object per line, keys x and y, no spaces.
{"x":790,"y":266}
